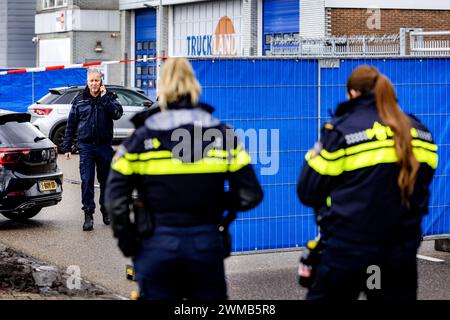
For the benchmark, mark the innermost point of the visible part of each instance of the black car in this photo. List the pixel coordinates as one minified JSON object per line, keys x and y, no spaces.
{"x":29,"y":175}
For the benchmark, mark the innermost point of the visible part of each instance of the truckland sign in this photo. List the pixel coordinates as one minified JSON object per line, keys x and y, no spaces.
{"x":222,"y":41}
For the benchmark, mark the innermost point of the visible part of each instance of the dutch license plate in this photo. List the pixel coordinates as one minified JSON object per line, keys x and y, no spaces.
{"x":48,"y":185}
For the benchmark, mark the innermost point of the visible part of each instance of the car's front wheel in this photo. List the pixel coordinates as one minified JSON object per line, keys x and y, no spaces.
{"x":22,"y":216}
{"x":58,"y":139}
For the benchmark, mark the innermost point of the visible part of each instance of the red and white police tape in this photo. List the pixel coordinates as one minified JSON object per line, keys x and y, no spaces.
{"x":80,"y":65}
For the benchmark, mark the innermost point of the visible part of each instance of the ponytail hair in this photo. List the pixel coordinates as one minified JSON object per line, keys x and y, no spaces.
{"x":367,"y":79}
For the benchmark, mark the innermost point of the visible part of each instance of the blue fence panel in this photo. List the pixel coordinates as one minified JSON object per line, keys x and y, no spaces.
{"x":264,"y":95}
{"x":16,"y":90}
{"x":283,"y":94}
{"x":423,"y":89}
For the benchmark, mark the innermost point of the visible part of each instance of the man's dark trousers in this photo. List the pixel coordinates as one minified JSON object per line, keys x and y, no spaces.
{"x":91,"y":156}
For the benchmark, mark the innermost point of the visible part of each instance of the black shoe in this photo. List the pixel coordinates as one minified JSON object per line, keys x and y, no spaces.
{"x":105,"y":216}
{"x":88,"y":221}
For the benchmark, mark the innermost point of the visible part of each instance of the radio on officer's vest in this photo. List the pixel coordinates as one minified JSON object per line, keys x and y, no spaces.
{"x":309,"y":261}
{"x":129,"y":268}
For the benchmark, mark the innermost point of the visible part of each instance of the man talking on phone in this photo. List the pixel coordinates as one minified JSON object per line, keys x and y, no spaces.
{"x":91,"y":120}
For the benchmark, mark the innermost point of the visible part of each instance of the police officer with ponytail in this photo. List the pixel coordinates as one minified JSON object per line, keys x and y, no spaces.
{"x":368,"y":181}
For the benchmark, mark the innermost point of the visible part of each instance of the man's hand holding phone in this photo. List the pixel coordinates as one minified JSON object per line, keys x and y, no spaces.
{"x":102,"y":90}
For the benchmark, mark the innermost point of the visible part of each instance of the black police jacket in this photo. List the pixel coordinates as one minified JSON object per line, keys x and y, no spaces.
{"x":91,"y":119}
{"x":179,"y":162}
{"x":350,"y":177}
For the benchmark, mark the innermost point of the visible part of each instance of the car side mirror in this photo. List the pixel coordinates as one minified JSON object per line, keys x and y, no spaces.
{"x":147,"y":104}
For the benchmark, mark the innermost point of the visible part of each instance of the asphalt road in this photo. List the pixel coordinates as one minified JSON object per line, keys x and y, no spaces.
{"x":56,"y":236}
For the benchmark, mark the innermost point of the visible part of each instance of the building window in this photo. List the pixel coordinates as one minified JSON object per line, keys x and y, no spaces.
{"x":50,"y":4}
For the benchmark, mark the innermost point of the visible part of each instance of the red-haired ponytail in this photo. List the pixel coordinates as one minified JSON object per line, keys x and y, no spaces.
{"x":368,"y":79}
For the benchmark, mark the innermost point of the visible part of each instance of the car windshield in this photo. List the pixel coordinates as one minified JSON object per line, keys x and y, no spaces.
{"x":48,"y":98}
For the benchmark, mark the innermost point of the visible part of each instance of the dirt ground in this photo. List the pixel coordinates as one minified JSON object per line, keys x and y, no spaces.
{"x":24,"y":278}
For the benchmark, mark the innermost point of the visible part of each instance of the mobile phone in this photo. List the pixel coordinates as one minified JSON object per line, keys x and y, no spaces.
{"x":100,"y":87}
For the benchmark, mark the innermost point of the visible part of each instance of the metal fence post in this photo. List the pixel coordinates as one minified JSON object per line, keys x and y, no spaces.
{"x":319,"y":107}
{"x":32,"y":87}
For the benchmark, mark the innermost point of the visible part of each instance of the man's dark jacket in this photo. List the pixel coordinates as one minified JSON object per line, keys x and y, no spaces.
{"x":91,"y":118}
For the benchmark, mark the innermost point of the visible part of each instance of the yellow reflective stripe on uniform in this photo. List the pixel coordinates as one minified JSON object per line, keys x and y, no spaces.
{"x":123,"y":166}
{"x":372,"y":145}
{"x":155,"y":155}
{"x":425,"y":145}
{"x":169,"y":166}
{"x":217,"y":153}
{"x":332,"y":155}
{"x":176,"y":166}
{"x":367,"y":159}
{"x":239,"y":161}
{"x":350,"y":163}
{"x":369,"y":146}
{"x":153,"y":163}
{"x":131,"y":156}
{"x":426,"y":156}
{"x":148,"y":155}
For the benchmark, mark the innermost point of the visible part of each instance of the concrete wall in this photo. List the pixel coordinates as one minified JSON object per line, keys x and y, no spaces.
{"x":83,"y":51}
{"x":88,"y":21}
{"x":16,"y":31}
{"x":125,"y":45}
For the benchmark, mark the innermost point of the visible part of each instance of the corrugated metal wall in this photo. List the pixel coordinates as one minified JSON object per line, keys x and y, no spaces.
{"x":312,"y":18}
{"x":283,"y":95}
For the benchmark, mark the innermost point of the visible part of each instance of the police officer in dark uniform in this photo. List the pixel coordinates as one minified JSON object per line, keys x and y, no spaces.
{"x":368,"y":181}
{"x":179,"y":162}
{"x":91,"y":119}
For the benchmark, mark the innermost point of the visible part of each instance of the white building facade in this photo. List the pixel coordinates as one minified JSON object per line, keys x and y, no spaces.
{"x":79,"y":31}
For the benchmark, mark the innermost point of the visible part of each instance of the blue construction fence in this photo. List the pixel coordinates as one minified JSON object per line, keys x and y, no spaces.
{"x":18,"y":91}
{"x":295,"y":96}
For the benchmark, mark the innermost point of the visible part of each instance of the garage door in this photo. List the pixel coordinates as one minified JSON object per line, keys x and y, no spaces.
{"x":281,"y":19}
{"x":145,"y":42}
